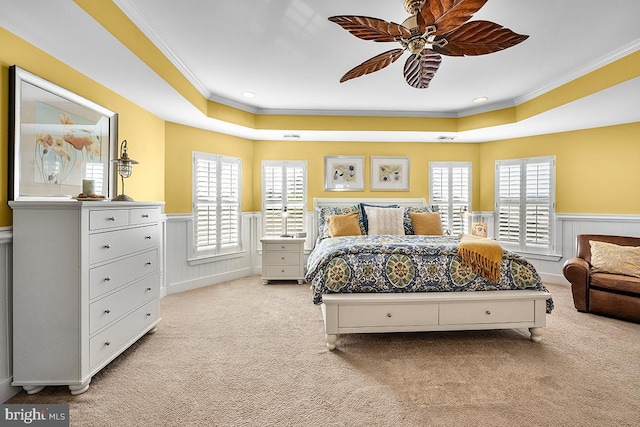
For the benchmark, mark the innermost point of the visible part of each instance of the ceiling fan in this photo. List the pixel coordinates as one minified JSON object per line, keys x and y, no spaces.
{"x":435,"y":27}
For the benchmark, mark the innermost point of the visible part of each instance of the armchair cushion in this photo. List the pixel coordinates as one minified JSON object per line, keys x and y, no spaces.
{"x":615,"y":259}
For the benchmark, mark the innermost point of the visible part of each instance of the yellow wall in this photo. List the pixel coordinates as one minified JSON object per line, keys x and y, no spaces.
{"x":181,"y":142}
{"x":313,"y":152}
{"x":143,"y":131}
{"x":597,"y":170}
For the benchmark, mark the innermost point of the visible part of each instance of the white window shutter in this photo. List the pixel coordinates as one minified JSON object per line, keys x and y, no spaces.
{"x":217,"y":203}
{"x":450,"y":190}
{"x":283,"y":185}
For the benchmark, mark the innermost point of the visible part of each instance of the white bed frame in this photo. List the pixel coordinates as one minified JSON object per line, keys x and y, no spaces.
{"x":431,"y":311}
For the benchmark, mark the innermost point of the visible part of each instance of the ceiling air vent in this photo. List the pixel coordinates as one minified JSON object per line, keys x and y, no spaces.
{"x":444,"y":138}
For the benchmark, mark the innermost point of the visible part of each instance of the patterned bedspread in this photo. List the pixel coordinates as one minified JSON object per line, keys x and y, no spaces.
{"x":407,"y":264}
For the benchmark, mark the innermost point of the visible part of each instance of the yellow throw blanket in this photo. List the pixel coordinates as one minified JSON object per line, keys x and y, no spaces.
{"x":483,"y":255}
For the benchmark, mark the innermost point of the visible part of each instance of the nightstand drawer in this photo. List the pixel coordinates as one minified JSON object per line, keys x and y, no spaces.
{"x":282,"y":271}
{"x":277,"y":247}
{"x":282,"y":258}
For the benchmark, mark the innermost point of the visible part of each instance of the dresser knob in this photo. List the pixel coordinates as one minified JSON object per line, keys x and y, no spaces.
{"x":107,"y":311}
{"x":145,"y":216}
{"x":487,"y":312}
{"x":107,"y":279}
{"x":283,"y":247}
{"x":148,"y":314}
{"x":111,"y":218}
{"x":107,"y":246}
{"x":147,"y":237}
{"x":388,"y":314}
{"x":108,"y":343}
{"x":148,"y":263}
{"x":148,"y":289}
{"x":282,"y":258}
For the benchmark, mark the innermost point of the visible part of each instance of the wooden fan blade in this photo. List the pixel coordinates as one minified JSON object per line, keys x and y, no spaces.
{"x":447,"y":15}
{"x":368,"y":28}
{"x":420,"y":69}
{"x":372,"y":65}
{"x":479,"y":38}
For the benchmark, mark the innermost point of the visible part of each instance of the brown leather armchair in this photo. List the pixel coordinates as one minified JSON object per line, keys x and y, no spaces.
{"x":611,"y":295}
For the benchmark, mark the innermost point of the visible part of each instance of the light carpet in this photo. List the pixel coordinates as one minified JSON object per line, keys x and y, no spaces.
{"x":245,"y":354}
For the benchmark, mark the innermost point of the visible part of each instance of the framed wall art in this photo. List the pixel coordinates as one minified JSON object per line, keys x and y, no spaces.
{"x":56,"y":139}
{"x":344,"y":173}
{"x":389,"y":173}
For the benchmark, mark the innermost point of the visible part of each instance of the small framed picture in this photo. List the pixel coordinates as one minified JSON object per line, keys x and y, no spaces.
{"x":389,"y":173}
{"x":344,"y":173}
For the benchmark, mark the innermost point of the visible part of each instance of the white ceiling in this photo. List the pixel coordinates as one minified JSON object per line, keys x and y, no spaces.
{"x":292,"y":57}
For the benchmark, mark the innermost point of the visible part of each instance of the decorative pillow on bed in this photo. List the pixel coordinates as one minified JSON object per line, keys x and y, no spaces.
{"x":427,"y":223}
{"x":325,"y":212}
{"x":408,"y":226}
{"x":385,"y":220}
{"x":363,"y":212}
{"x":344,"y":225}
{"x":615,"y":259}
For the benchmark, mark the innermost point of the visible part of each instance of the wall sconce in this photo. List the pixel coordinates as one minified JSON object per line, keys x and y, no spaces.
{"x":285,"y":217}
{"x":124,"y":168}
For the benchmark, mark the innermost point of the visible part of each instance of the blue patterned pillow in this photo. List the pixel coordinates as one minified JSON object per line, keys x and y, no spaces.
{"x":325,"y":212}
{"x":363,"y":215}
{"x":408,"y":227}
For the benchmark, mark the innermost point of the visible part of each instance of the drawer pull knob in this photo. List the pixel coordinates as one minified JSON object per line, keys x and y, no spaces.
{"x":111,"y":218}
{"x":148,"y":314}
{"x":107,"y":311}
{"x":107,"y":279}
{"x":282,"y":258}
{"x":283,"y":247}
{"x":488,"y":312}
{"x":148,"y":263}
{"x":107,"y":246}
{"x":388,"y":314}
{"x":147,"y":237}
{"x":108,"y":343}
{"x":145,"y":216}
{"x":148,"y":289}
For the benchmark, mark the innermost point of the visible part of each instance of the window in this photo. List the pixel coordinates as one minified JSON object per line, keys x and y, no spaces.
{"x":450,"y":190}
{"x":284,"y":184}
{"x":216,"y":204}
{"x":525,"y":203}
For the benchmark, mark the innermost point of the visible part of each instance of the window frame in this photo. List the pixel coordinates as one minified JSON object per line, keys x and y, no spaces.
{"x":283,"y":164}
{"x":220,"y":247}
{"x":522,"y":246}
{"x":453,"y":207}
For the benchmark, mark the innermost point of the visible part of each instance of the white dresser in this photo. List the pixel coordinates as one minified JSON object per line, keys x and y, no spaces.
{"x":282,"y":259}
{"x":86,"y":285}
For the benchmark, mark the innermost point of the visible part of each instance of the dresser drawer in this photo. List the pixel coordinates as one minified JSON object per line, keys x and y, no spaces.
{"x":111,"y":276}
{"x":108,"y":309}
{"x":108,"y":218}
{"x":291,"y":247}
{"x":144,"y":216}
{"x":487,"y":312}
{"x":110,"y":342}
{"x":109,"y":245}
{"x":282,"y":258}
{"x":350,"y":316}
{"x":282,"y":271}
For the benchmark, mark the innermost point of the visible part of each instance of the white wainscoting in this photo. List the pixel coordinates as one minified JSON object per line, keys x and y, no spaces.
{"x":6,"y":314}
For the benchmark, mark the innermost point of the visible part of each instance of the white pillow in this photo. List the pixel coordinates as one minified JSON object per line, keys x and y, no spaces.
{"x":385,"y":221}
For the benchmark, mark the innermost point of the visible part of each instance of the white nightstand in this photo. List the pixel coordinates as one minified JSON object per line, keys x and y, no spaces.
{"x":282,"y":259}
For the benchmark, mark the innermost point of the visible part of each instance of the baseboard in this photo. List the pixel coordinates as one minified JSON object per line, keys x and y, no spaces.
{"x":201,"y":282}
{"x":553,"y":278}
{"x":7,"y":391}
